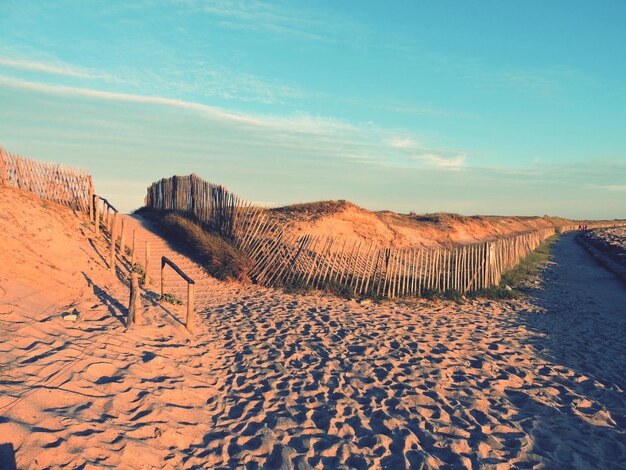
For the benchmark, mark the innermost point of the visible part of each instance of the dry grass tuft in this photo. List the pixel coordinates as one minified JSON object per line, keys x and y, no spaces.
{"x":520,"y":277}
{"x":218,"y":256}
{"x":311,"y":211}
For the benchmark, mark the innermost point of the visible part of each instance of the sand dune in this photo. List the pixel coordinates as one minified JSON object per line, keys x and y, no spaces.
{"x":390,"y":229}
{"x":271,"y":380}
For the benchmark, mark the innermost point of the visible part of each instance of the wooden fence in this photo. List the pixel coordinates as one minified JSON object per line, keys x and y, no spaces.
{"x":587,"y":225}
{"x":66,"y":185}
{"x":402,"y":272}
{"x":212,"y":204}
{"x":282,"y":258}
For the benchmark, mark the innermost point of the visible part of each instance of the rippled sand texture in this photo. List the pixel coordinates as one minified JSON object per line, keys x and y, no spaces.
{"x":278,"y":381}
{"x":273,"y":380}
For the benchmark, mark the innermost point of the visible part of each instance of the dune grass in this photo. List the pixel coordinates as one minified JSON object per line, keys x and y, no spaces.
{"x":511,"y":286}
{"x":519,"y":277}
{"x":170,"y":298}
{"x":530,"y":265}
{"x":218,"y":256}
{"x":223,"y":261}
{"x":139,"y":269}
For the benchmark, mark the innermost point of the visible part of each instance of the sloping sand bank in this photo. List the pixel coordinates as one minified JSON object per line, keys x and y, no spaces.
{"x":389,"y":229}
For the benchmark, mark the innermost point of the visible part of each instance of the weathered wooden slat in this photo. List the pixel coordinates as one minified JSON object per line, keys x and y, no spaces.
{"x":304,"y":259}
{"x":420,"y":271}
{"x":65,"y":185}
{"x":369,"y":260}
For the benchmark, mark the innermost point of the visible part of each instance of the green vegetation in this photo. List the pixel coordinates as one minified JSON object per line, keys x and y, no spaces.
{"x":309,"y":211}
{"x":170,"y":298}
{"x":511,"y":285}
{"x":452,"y":295}
{"x":218,"y":256}
{"x":223,"y":261}
{"x":520,"y":276}
{"x":139,"y":269}
{"x":496,"y":292}
{"x":530,"y":265}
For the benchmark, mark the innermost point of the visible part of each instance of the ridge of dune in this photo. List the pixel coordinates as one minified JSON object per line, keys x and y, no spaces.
{"x":389,"y":229}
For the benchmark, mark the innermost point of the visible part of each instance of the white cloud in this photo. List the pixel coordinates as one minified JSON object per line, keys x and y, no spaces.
{"x":281,"y":19}
{"x":452,"y":163}
{"x":427,"y":111}
{"x":415,"y":152}
{"x":319,"y":137}
{"x":57,"y":68}
{"x":403,"y":143}
{"x":301,"y":123}
{"x":617,"y":187}
{"x":199,"y":77}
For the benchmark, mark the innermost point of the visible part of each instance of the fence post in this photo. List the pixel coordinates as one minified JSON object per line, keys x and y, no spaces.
{"x":97,"y":213}
{"x":112,"y":259}
{"x":123,"y":237}
{"x":90,"y":203}
{"x":135,"y":302}
{"x":147,"y":265}
{"x":132,"y":255}
{"x":190,"y":306}
{"x":491,"y":278}
{"x":162,"y":276}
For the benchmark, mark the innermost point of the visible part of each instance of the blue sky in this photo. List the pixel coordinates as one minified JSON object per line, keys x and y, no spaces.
{"x":470,"y":107}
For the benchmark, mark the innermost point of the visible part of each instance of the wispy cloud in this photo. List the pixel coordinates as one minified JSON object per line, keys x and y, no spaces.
{"x":56,"y":68}
{"x":454,"y":163}
{"x":302,"y":123}
{"x":417,"y":152}
{"x":281,"y":19}
{"x":529,"y":79}
{"x":427,"y":111}
{"x":536,"y":80}
{"x":480,"y":73}
{"x":198,"y":78}
{"x":319,"y":136}
{"x":202,"y":78}
{"x":617,"y":187}
{"x":403,"y":142}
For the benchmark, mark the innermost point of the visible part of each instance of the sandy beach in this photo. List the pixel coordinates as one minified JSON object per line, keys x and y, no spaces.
{"x":273,"y":380}
{"x":301,"y":235}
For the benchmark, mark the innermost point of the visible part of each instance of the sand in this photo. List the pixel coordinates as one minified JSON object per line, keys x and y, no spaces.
{"x":275,"y":380}
{"x":388,"y":229}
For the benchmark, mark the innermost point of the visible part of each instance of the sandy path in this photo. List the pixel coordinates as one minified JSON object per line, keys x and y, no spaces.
{"x":206,"y":286}
{"x":592,"y":302}
{"x":323,"y":383}
{"x":273,"y":380}
{"x":583,"y":330}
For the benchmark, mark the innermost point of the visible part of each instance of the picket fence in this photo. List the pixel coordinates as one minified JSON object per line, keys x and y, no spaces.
{"x":66,"y":185}
{"x":281,"y":257}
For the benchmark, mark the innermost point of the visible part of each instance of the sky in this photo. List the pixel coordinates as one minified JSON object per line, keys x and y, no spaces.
{"x":490,"y":107}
